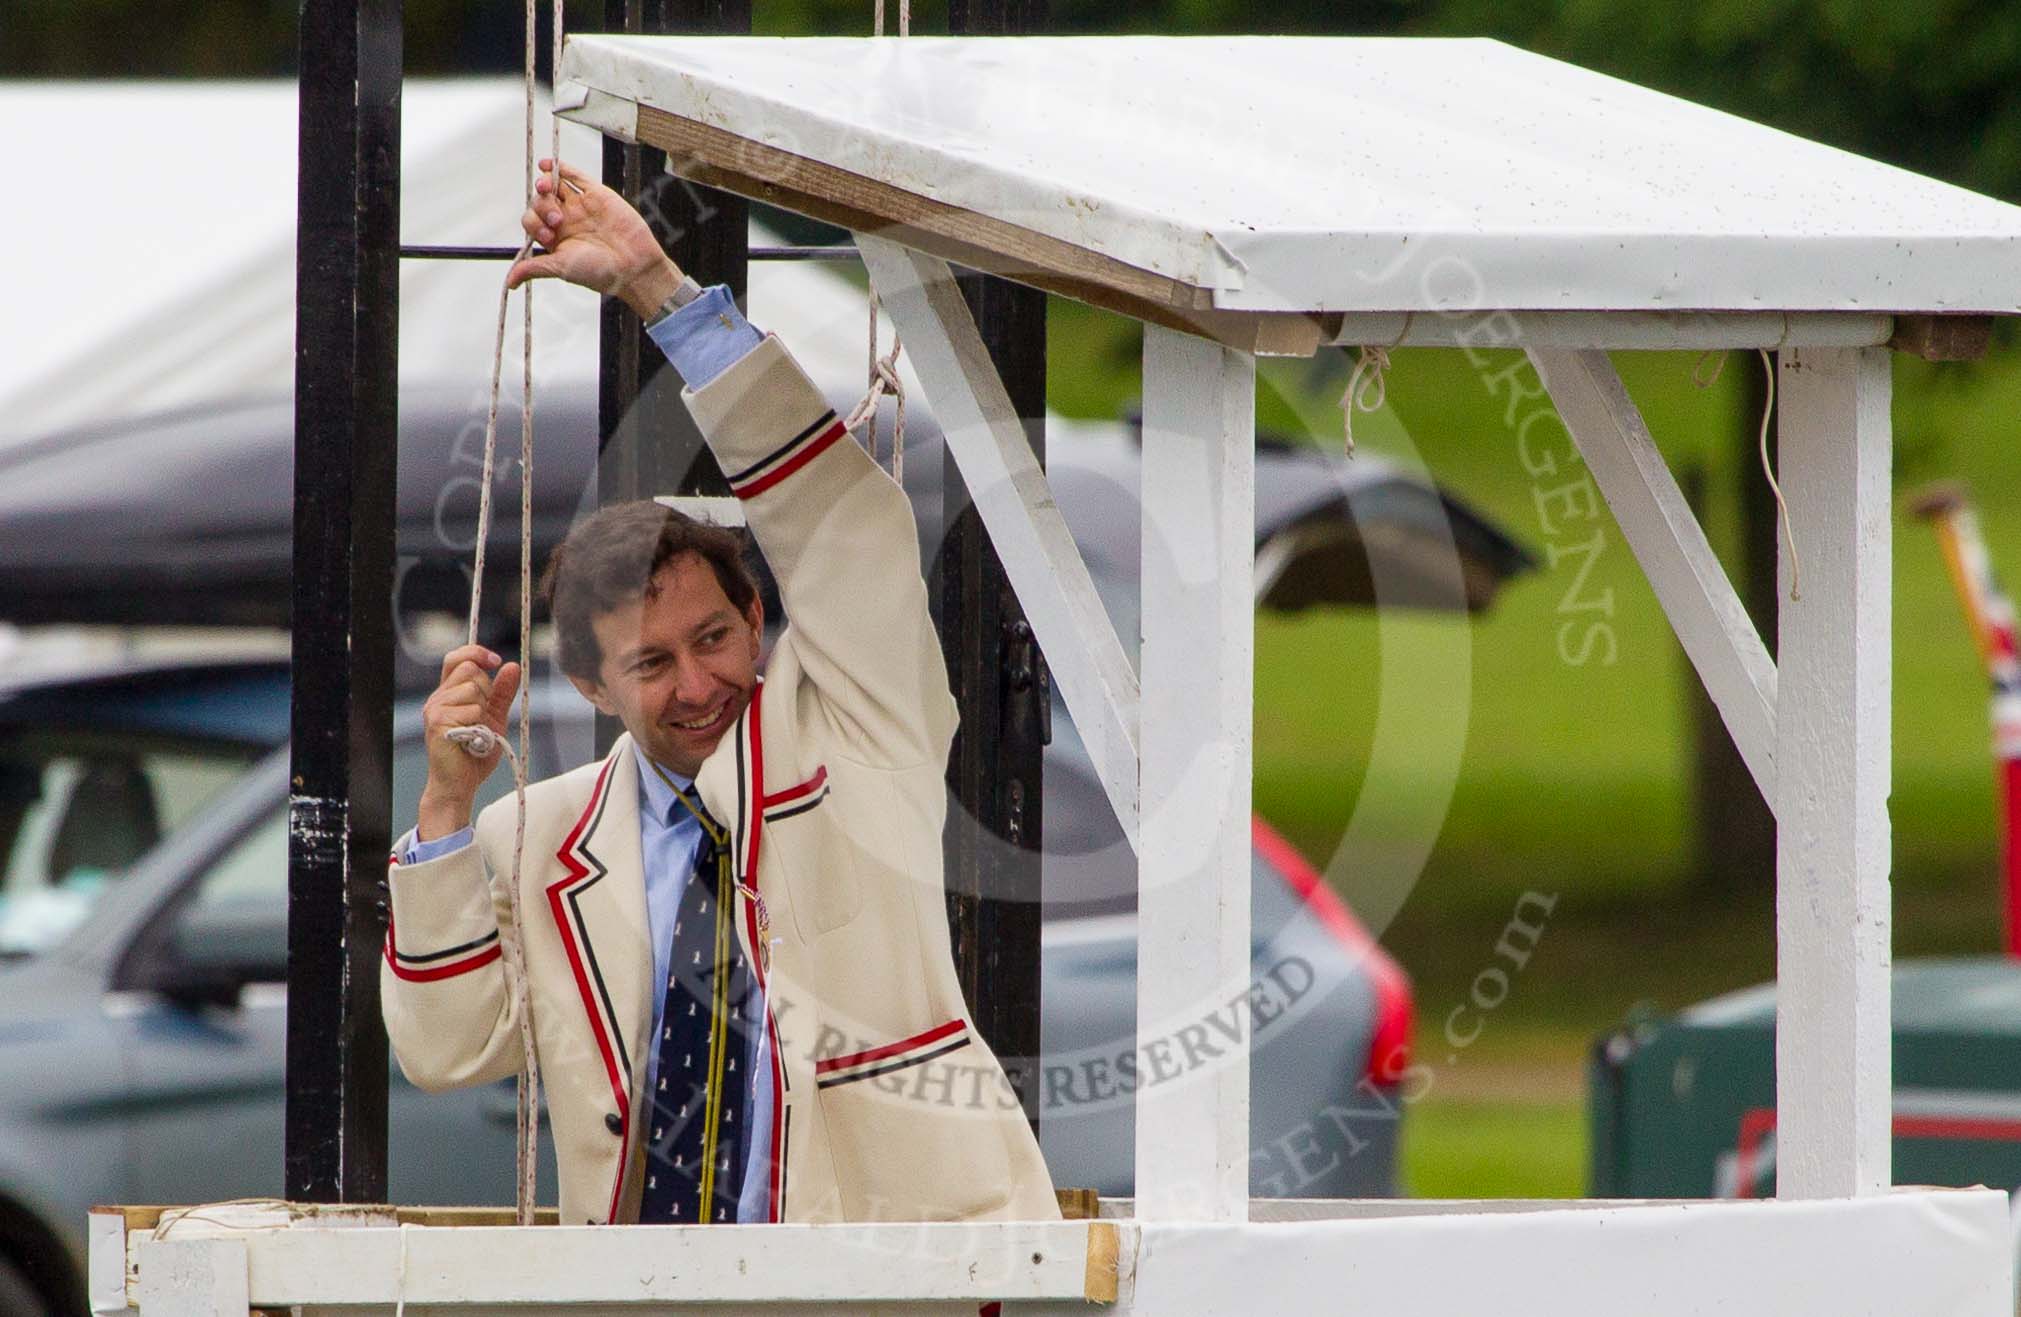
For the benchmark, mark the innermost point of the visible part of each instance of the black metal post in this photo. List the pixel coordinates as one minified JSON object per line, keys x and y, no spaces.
{"x":346,"y":424}
{"x":994,"y":891}
{"x":649,"y":444}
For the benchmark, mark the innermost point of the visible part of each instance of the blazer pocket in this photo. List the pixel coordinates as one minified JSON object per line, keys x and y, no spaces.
{"x":912,"y":1129}
{"x":822,"y":861}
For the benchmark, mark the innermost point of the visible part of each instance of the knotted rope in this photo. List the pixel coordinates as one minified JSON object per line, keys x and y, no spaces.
{"x":883,"y":372}
{"x":1368,"y":382}
{"x":883,"y":379}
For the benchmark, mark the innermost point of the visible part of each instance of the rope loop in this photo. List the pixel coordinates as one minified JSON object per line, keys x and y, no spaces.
{"x":1367,"y":388}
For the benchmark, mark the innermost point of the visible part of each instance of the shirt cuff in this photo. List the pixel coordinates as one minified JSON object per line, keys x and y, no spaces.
{"x":413,"y":850}
{"x":706,"y":337}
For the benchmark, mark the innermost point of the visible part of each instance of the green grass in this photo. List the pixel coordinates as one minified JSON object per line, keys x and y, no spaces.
{"x":1439,"y":768}
{"x":1476,"y":1148}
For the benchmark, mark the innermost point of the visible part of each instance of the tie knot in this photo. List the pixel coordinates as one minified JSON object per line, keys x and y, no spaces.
{"x":688,"y":805}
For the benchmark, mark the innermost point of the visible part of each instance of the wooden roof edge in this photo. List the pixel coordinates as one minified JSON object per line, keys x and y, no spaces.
{"x":716,"y":157}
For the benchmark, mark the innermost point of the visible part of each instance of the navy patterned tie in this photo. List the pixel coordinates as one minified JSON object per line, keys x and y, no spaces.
{"x":701,"y":1099}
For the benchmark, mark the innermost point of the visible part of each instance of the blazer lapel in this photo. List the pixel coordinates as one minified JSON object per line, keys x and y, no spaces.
{"x":599,"y":908}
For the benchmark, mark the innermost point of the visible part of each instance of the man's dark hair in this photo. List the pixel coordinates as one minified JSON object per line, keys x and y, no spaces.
{"x":610,"y":559}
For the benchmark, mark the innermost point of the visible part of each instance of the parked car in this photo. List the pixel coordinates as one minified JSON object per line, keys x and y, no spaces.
{"x":95,"y":770}
{"x":141,"y":1048}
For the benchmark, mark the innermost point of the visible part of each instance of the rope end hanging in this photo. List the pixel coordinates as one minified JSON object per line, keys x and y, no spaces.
{"x":1367,"y":387}
{"x":1705,"y":379}
{"x":1781,"y":504}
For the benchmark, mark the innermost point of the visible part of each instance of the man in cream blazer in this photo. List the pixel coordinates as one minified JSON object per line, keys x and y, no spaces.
{"x":876,"y":1097}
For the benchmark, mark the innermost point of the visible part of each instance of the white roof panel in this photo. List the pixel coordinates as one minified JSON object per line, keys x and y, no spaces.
{"x":1345,"y":173}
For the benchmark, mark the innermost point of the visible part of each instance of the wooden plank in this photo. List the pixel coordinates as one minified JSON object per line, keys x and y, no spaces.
{"x":1943,"y":338}
{"x":1199,"y":498}
{"x":647,"y":1268}
{"x":721,"y":159}
{"x":105,"y":1261}
{"x":1710,"y":621}
{"x":1010,"y":492}
{"x":1079,"y":1204}
{"x":1832,"y":1048}
{"x":148,"y":1216}
{"x":1104,"y":1263}
{"x":191,"y":1277}
{"x":1616,"y":330}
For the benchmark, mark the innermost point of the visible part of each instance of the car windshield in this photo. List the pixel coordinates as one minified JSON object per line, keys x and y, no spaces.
{"x":78,"y":807}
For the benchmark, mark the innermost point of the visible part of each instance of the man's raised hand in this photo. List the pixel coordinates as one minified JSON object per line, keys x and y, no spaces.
{"x":594,"y":239}
{"x":476,"y":691}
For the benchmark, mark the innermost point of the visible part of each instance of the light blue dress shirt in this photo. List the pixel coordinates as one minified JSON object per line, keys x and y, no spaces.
{"x":701,"y":340}
{"x":705,"y":337}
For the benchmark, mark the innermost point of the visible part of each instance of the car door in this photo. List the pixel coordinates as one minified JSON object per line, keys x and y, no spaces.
{"x":209,"y":1117}
{"x":209,"y":1097}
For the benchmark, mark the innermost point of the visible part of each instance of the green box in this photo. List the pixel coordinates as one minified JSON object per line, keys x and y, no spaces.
{"x":1684,"y":1107}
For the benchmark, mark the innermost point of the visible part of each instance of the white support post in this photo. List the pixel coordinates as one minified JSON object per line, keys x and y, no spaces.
{"x":1710,"y":621}
{"x":1832,"y":1049}
{"x":1199,"y":607}
{"x":1016,"y":505}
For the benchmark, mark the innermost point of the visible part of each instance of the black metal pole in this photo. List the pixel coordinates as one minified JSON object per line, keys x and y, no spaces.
{"x":992,"y":847}
{"x":347,"y":291}
{"x":649,"y":442}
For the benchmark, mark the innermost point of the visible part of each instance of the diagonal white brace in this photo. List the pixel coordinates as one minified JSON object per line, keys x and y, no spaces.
{"x":1016,"y":505}
{"x":1710,"y":621}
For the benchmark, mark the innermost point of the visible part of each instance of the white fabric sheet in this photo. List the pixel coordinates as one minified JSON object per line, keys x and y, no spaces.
{"x":176,"y":287}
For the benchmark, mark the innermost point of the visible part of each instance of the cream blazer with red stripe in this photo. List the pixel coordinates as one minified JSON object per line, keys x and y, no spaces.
{"x":889,"y":1105}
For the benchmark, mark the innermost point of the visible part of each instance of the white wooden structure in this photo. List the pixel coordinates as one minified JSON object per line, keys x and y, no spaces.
{"x":1269,"y":196}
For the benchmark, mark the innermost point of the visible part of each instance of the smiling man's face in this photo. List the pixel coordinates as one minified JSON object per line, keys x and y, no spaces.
{"x":678,"y":665}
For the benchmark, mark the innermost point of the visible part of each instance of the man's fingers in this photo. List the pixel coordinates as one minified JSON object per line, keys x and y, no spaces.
{"x":465,"y":674}
{"x":545,"y":266}
{"x":571,"y":175}
{"x":477,"y":654}
{"x":503,"y":688}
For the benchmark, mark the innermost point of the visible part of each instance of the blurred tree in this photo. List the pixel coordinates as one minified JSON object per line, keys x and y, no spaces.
{"x":241,"y":38}
{"x":1931,"y":85}
{"x":1934,"y":86}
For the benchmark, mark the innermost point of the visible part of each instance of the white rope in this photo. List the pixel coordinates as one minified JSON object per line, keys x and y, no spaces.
{"x":1367,"y":387}
{"x":883,"y":380}
{"x":1706,"y":379}
{"x":883,"y":371}
{"x":175,"y":1216}
{"x":1368,"y":382}
{"x":1781,"y":504}
{"x":482,"y":741}
{"x":400,"y":1276}
{"x":904,"y":18}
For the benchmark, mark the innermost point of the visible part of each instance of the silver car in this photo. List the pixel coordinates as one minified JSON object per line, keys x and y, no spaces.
{"x":142,"y":1001}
